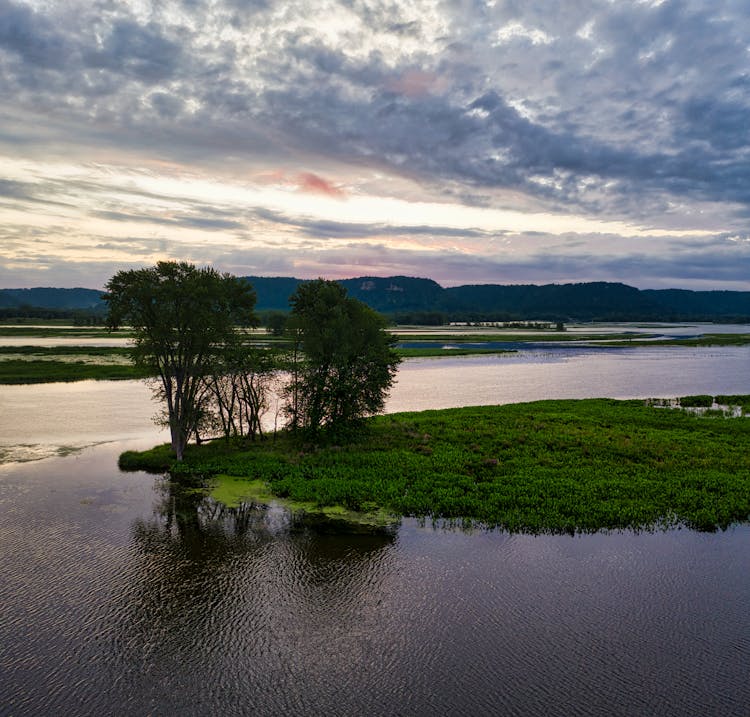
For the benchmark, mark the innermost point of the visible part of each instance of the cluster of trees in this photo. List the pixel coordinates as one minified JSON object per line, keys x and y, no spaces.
{"x":79,"y":317}
{"x":213,"y":379}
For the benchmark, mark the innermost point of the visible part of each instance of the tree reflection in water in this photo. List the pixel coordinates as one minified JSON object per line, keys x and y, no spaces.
{"x":240,"y":601}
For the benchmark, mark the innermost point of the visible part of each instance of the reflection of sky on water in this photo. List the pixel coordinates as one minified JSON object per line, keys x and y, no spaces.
{"x":48,"y":419}
{"x":642,"y":372}
{"x":51,"y":419}
{"x":688,"y":329}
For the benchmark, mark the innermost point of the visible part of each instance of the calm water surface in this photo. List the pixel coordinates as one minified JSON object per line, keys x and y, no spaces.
{"x":53,"y":419}
{"x":120,"y":597}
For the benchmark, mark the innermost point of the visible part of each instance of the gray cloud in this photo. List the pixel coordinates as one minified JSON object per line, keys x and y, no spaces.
{"x":321,"y":229}
{"x":198,"y":222}
{"x":629,"y":111}
{"x":613,"y":105}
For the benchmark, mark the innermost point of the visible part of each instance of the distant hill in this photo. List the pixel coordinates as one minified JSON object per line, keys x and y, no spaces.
{"x":675,"y":304}
{"x":585,"y":302}
{"x":51,"y":298}
{"x":395,"y":293}
{"x":415,"y":300}
{"x":273,"y":291}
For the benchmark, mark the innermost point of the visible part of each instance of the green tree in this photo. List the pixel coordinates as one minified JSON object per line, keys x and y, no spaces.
{"x":275,"y":322}
{"x":184,"y":320}
{"x":342,"y":361}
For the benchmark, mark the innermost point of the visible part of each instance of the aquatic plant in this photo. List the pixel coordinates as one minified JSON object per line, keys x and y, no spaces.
{"x":548,"y":466}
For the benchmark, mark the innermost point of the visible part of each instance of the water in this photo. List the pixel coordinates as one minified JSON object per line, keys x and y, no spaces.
{"x":121,"y":598}
{"x":575,"y":372}
{"x":118,"y":596}
{"x":54,"y":419}
{"x":50,"y":419}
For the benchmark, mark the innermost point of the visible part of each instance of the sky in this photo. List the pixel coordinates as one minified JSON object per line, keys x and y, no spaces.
{"x":509,"y":142}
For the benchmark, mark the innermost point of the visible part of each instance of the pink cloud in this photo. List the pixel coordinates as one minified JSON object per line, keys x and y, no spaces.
{"x":302,"y":181}
{"x":309,"y":182}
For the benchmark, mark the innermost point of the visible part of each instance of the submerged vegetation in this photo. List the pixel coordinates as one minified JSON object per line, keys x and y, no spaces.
{"x":549,"y":466}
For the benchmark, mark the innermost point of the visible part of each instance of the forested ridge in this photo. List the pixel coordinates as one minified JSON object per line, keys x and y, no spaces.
{"x":417,"y":300}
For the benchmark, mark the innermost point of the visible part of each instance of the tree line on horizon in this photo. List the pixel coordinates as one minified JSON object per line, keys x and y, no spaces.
{"x":409,"y":300}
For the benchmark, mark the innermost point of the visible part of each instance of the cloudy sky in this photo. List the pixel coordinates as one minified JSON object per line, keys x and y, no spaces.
{"x":518,"y":141}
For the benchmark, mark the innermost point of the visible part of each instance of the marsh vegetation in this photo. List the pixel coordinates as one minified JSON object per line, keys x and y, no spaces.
{"x":549,"y":466}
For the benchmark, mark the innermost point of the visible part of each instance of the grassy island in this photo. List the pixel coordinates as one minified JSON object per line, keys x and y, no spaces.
{"x":549,"y":466}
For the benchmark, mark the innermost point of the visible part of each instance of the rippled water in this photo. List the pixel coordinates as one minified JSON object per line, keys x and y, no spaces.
{"x":121,"y":598}
{"x":51,"y":419}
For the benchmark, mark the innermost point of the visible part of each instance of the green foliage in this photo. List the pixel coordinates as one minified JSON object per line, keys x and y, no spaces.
{"x":699,"y":401}
{"x":184,"y":320}
{"x":274,"y":321}
{"x":50,"y":330}
{"x":19,"y":371}
{"x":53,"y":351}
{"x":155,"y":460}
{"x":343,"y":362}
{"x":549,"y":466}
{"x":742,"y":400}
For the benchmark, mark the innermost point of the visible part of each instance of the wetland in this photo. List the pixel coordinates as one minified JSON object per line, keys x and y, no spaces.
{"x":122,"y":594}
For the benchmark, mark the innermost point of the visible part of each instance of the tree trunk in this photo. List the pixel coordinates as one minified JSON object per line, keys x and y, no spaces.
{"x":178,"y":441}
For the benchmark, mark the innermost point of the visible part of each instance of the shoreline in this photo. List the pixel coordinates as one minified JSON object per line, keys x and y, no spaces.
{"x":556,"y":466}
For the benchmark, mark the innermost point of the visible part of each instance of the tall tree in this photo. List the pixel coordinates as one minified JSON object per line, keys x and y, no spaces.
{"x":184,"y":319}
{"x":343,"y":362}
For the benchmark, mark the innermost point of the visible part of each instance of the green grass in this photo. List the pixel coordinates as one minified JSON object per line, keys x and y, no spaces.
{"x":549,"y":466}
{"x":23,"y":371}
{"x":441,"y":351}
{"x":51,"y":332}
{"x":45,"y":351}
{"x":706,"y":340}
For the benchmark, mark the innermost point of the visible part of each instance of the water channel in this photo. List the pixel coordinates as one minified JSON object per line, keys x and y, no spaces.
{"x":120,"y":597}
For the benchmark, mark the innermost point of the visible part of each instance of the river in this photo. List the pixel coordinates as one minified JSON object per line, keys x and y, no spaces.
{"x":120,"y":597}
{"x":44,"y":420}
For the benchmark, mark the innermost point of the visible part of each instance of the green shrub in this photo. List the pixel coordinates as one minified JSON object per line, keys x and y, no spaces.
{"x":699,"y":401}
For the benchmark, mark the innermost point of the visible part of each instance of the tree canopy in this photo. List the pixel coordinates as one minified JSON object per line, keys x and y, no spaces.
{"x":184,"y":319}
{"x":343,"y":362}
